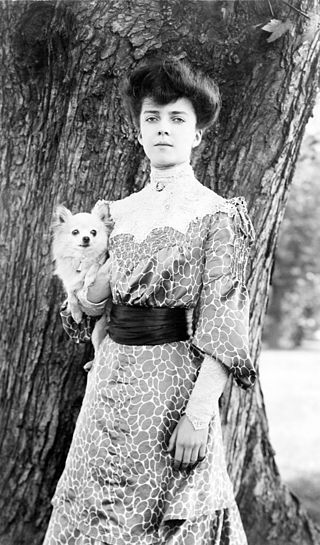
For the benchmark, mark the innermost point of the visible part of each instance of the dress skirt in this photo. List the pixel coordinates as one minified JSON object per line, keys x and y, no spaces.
{"x":223,"y":528}
{"x":118,"y":486}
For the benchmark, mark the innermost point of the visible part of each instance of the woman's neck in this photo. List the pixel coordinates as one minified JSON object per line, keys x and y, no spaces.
{"x":171,"y":174}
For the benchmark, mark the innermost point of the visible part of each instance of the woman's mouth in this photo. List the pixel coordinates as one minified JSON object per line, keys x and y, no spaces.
{"x":164,"y":144}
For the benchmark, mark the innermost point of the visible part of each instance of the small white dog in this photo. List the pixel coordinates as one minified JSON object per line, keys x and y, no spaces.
{"x":80,"y":244}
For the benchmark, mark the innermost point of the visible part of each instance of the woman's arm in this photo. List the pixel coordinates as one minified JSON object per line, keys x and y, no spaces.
{"x":99,"y":291}
{"x":222,"y":332}
{"x":189,"y":438}
{"x":204,"y":400}
{"x":93,"y":297}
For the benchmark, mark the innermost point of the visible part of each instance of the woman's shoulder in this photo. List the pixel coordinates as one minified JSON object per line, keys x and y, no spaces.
{"x":218,"y":206}
{"x":120,"y":206}
{"x":225,"y":212}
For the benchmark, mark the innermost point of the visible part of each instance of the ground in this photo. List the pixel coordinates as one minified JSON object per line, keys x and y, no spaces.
{"x":291,"y":384}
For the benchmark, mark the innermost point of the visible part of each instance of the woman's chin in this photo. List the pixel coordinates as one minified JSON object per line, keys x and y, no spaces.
{"x":165,"y":163}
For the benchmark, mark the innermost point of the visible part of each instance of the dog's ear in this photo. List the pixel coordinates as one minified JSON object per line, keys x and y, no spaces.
{"x":101,"y":210}
{"x":60,"y":216}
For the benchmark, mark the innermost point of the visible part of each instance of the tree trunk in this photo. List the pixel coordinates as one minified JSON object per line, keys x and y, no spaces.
{"x":65,"y":138}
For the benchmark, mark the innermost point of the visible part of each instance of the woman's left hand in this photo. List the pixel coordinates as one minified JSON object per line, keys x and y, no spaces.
{"x":187,"y":445}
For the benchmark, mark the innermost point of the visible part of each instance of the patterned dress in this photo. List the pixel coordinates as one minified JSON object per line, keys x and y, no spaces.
{"x":174,"y":244}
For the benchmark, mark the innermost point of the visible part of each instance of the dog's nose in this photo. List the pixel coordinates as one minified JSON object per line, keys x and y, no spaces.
{"x":85,"y":240}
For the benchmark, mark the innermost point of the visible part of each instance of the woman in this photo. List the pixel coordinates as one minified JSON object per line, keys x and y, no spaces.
{"x":146,"y":464}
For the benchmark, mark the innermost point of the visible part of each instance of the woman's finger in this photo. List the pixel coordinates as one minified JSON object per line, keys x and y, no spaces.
{"x":194,"y":456}
{"x":178,"y":457}
{"x":202,"y":453}
{"x":186,"y":458}
{"x":172,"y":440}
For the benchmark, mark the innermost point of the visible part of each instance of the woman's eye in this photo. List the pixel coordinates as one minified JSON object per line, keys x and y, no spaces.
{"x":151,"y":118}
{"x":93,"y":232}
{"x":75,"y":232}
{"x":178,"y":119}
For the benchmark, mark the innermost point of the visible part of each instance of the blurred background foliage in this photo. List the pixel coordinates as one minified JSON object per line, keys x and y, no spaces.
{"x":293,"y":314}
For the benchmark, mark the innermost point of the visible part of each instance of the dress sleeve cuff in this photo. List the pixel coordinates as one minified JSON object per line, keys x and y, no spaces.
{"x":203,"y":402}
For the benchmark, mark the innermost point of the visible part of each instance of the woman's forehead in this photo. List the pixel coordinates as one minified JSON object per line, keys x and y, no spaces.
{"x":181,"y":105}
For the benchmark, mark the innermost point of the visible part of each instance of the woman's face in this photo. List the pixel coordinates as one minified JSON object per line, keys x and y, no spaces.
{"x":168,"y":132}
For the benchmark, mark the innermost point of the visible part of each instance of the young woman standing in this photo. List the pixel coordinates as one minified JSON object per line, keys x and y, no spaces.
{"x":146,"y":464}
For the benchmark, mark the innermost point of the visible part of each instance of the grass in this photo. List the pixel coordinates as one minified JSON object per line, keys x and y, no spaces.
{"x":291,"y":385}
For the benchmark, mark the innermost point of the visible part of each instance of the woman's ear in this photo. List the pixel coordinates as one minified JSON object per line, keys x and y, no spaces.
{"x":139,"y":136}
{"x":197,"y":138}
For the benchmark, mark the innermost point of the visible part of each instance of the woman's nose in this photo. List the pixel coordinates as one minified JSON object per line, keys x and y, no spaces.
{"x":163,"y":126}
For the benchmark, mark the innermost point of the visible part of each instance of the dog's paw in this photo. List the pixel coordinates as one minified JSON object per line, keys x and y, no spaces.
{"x":73,"y":306}
{"x":76,"y":312}
{"x":77,"y":316}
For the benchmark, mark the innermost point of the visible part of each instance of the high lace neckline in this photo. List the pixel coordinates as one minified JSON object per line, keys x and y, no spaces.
{"x":178,"y":200}
{"x":161,"y":178}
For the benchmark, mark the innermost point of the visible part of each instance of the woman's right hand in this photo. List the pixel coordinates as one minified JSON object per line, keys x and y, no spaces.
{"x":99,"y":290}
{"x":187,"y":445}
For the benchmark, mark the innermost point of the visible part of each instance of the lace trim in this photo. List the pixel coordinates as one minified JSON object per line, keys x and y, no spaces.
{"x":181,"y":200}
{"x":197,"y":423}
{"x":203,"y":401}
{"x":176,"y":206}
{"x":168,"y":176}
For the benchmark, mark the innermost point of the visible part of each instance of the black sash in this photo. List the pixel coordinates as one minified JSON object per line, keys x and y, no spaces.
{"x":147,"y":325}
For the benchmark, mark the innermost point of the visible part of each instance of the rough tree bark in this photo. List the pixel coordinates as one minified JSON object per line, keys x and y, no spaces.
{"x":65,"y":138}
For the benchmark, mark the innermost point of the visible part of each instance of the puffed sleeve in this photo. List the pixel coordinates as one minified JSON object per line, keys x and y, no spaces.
{"x":222,"y":329}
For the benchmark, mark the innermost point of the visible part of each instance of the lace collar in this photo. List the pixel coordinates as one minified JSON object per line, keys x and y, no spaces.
{"x":173,"y":199}
{"x":163,"y":178}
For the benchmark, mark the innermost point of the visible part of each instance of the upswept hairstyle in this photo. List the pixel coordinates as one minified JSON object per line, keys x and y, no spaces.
{"x":167,"y":80}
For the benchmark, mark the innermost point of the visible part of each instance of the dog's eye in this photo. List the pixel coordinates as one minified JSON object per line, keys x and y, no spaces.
{"x":93,"y":232}
{"x":75,"y":231}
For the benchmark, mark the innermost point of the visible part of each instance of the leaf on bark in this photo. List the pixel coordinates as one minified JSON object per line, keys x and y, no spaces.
{"x":277,"y":28}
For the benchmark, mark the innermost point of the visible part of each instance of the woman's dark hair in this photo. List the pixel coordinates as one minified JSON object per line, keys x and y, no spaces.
{"x":167,"y":80}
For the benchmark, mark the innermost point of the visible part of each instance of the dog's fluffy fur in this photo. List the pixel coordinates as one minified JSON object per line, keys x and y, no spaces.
{"x":80,"y":244}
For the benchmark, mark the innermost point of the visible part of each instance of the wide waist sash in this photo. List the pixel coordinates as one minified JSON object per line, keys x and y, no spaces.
{"x":147,"y":325}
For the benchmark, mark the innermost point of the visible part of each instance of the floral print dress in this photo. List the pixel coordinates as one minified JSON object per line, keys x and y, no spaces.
{"x":174,"y":244}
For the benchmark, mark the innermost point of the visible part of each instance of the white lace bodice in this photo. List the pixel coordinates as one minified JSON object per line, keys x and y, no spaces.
{"x":173,"y":198}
